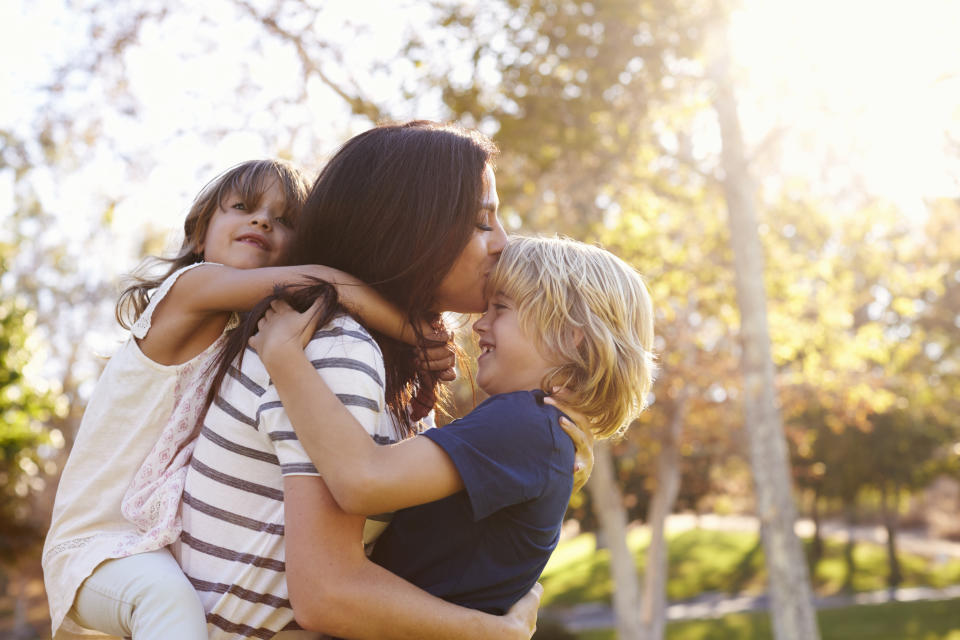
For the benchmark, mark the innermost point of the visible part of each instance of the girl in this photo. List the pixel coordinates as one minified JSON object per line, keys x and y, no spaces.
{"x":483,"y":498}
{"x":105,"y":560}
{"x":264,"y":544}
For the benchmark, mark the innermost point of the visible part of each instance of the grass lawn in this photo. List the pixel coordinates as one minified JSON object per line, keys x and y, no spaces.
{"x":724,"y":561}
{"x":895,"y":621}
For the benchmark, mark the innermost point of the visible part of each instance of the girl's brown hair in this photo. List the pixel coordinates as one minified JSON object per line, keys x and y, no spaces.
{"x":247,"y":181}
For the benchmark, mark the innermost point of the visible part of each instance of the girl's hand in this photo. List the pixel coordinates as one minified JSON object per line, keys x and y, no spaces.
{"x":437,"y":356}
{"x":523,"y":615}
{"x":583,"y":439}
{"x":282,"y":329}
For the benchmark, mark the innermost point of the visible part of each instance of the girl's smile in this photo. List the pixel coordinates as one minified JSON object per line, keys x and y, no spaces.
{"x":248,"y":235}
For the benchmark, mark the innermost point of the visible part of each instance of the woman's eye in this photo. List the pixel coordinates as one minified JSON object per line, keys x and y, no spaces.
{"x":484,"y":227}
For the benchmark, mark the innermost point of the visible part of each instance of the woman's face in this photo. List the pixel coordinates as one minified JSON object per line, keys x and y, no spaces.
{"x":462,"y":288}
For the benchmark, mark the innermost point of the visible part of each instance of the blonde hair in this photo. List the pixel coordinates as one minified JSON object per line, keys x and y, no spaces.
{"x":590,"y":311}
{"x":248,"y":181}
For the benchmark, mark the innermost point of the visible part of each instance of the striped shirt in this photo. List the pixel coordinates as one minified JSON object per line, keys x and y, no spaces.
{"x":232,"y":546}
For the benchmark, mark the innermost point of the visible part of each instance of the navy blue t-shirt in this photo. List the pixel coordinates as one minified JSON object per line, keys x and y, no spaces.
{"x":485,"y":547}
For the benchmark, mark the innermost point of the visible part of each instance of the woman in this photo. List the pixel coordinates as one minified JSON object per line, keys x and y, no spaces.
{"x":410,"y":209}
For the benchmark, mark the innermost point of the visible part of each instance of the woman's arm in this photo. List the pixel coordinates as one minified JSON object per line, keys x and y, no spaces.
{"x":335,"y":588}
{"x":364,"y":477}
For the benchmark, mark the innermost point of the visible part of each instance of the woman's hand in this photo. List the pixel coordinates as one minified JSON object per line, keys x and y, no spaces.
{"x":523,"y":615}
{"x":282,"y":329}
{"x":582,"y":438}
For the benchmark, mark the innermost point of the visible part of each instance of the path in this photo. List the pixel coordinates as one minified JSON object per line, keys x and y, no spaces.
{"x":584,"y":617}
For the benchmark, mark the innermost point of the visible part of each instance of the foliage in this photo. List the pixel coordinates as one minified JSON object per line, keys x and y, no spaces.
{"x":25,"y":407}
{"x":703,"y":561}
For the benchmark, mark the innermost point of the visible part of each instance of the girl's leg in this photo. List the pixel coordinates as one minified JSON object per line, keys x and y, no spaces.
{"x":144,"y":596}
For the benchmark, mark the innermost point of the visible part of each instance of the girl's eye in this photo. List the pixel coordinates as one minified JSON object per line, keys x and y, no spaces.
{"x":499,"y":306}
{"x":285,"y":221}
{"x":239,"y":205}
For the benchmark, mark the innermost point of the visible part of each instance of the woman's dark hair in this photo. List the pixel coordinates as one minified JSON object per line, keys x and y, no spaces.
{"x":247,"y":181}
{"x":395,"y":207}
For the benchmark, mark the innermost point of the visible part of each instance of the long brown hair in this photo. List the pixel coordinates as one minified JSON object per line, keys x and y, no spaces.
{"x":395,"y":207}
{"x":248,"y":181}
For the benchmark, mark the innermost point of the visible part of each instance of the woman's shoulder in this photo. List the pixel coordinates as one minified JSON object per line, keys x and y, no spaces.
{"x":344,"y":332}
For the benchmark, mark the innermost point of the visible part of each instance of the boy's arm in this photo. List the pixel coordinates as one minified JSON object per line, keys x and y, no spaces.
{"x":336,"y":589}
{"x":364,"y":477}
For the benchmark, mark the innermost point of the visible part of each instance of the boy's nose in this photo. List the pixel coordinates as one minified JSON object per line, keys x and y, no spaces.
{"x":479,"y":326}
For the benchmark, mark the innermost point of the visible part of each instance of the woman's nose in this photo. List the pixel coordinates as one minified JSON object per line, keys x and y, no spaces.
{"x":499,"y":240}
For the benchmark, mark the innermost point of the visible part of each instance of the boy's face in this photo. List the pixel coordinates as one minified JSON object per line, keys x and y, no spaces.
{"x":509,"y":360}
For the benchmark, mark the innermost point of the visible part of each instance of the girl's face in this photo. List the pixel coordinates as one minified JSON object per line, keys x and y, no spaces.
{"x":509,"y":360}
{"x":243,"y":237}
{"x":463,"y":287}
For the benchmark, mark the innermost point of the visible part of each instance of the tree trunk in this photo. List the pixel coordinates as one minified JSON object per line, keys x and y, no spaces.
{"x":608,"y":506}
{"x":850,"y":516}
{"x":895,"y":576}
{"x":816,"y":545}
{"x":793,"y":616}
{"x":653,"y":605}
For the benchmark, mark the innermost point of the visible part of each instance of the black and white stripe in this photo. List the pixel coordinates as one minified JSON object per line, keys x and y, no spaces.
{"x":233,"y":525}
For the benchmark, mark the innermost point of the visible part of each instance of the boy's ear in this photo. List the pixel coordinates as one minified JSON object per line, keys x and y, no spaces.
{"x":577,"y":336}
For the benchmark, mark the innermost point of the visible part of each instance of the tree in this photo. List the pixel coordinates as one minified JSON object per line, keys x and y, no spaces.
{"x":792,"y":598}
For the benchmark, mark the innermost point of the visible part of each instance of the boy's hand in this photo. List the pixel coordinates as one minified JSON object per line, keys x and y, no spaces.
{"x":523,"y":615}
{"x":582,"y":438}
{"x":282,"y":329}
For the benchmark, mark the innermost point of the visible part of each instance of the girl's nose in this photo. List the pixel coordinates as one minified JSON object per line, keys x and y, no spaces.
{"x":260,"y":218}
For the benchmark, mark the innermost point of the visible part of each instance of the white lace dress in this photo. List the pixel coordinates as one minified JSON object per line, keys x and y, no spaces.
{"x":120,"y":490}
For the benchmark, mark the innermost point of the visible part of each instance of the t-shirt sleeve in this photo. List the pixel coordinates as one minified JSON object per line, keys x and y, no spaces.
{"x":502,"y":450}
{"x":349,"y":361}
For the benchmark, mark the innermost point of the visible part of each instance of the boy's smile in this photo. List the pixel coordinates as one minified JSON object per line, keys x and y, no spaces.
{"x":509,"y":359}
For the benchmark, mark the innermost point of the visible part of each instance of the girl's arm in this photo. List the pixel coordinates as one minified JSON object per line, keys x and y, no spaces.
{"x":193,"y":313}
{"x":217,"y":289}
{"x":336,"y":589}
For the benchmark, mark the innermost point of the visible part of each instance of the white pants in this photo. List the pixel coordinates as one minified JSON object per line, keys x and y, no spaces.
{"x":143,"y":596}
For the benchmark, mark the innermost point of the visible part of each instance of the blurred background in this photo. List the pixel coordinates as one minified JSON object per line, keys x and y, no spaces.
{"x":630,"y":124}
